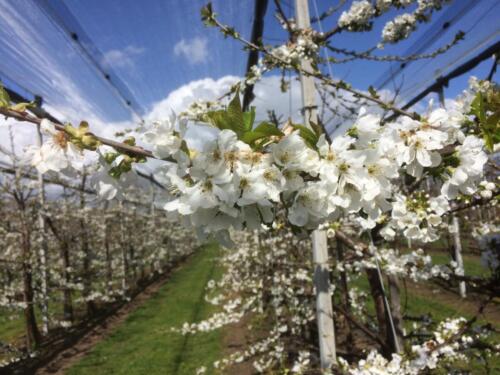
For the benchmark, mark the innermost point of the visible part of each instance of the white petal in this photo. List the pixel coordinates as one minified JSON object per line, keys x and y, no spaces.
{"x":424,"y":158}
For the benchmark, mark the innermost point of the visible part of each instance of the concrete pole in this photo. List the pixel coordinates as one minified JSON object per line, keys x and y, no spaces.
{"x":123,"y":248}
{"x":43,"y":244}
{"x":457,"y":248}
{"x":324,"y":310}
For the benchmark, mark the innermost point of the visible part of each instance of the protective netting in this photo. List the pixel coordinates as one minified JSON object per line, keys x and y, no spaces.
{"x":110,"y":62}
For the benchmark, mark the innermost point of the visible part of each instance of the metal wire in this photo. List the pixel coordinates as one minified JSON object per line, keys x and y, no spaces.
{"x":63,"y":19}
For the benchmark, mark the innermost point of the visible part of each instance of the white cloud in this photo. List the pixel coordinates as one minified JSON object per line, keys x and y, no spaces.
{"x":193,"y":50}
{"x":123,"y":58}
{"x":180,"y":99}
{"x":22,"y":136}
{"x":267,"y":96}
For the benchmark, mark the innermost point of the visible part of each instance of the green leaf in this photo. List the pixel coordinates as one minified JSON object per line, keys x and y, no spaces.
{"x":308,"y":135}
{"x":489,"y":125}
{"x":268,"y":129}
{"x":493,"y":122}
{"x":4,"y":97}
{"x":491,"y":130}
{"x":233,"y":118}
{"x":477,"y":107}
{"x":208,"y":15}
{"x":184,"y":147}
{"x":218,"y":119}
{"x":252,"y":136}
{"x":316,"y":128}
{"x":71,"y":130}
{"x":235,"y":115}
{"x":129,"y":141}
{"x":263,"y":131}
{"x":249,"y":118}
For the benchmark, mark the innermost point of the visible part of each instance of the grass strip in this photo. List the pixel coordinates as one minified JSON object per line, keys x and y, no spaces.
{"x":145,"y":344}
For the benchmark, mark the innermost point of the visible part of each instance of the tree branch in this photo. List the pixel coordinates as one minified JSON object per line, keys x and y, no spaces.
{"x":122,"y":147}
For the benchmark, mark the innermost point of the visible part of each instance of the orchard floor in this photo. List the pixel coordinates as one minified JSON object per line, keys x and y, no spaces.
{"x":145,"y":343}
{"x":432,"y":300}
{"x":141,"y":340}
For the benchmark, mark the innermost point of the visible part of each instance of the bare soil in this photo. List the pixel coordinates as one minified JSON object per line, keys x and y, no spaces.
{"x":237,"y":337}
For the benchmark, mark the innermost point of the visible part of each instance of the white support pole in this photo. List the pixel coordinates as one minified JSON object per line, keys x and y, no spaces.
{"x":457,"y":247}
{"x":123,"y":248}
{"x":324,"y":309}
{"x":43,"y":244}
{"x":153,"y":197}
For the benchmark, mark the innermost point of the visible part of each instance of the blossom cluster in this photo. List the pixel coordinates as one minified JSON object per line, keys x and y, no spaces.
{"x":304,"y":47}
{"x":229,"y":184}
{"x":415,"y":265}
{"x":404,"y":24}
{"x":448,"y":344}
{"x":268,"y":278}
{"x":418,"y":217}
{"x":361,"y":13}
{"x":232,"y":183}
{"x":358,"y":16}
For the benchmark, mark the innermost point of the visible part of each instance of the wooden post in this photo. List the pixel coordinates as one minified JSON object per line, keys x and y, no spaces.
{"x":346,"y":298}
{"x":324,"y":309}
{"x":457,"y":248}
{"x":43,"y":245}
{"x":384,"y":311}
{"x":397,"y":317}
{"x":377,"y":293}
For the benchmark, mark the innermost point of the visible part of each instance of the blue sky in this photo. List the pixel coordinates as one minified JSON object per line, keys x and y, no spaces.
{"x":158,"y":48}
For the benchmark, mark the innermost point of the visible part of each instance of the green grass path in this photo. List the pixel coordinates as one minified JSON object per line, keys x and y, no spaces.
{"x":145,"y":344}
